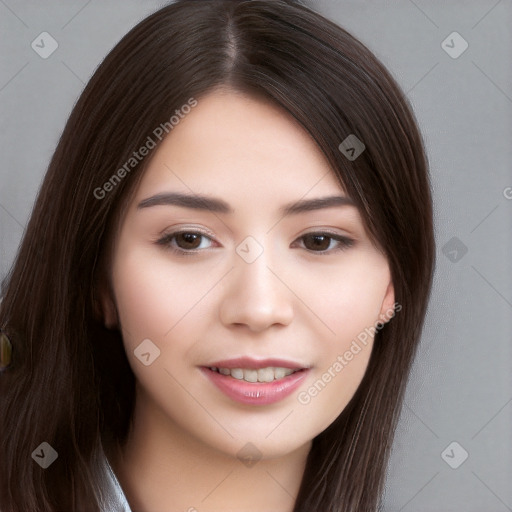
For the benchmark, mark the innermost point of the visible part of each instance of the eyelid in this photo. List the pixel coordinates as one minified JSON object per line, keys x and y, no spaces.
{"x":186,"y":229}
{"x":203,"y":231}
{"x":318,"y":230}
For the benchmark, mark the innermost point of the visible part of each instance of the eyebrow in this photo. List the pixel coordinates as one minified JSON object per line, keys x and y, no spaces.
{"x":201,"y":202}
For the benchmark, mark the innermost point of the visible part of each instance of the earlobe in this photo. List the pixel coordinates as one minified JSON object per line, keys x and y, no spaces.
{"x":105,"y":309}
{"x":387,"y":310}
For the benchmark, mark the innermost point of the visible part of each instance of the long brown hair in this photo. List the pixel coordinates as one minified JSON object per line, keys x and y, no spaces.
{"x":69,"y":382}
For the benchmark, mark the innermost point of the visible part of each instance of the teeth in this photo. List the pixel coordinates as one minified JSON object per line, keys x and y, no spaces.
{"x":237,"y":373}
{"x":251,"y":375}
{"x":267,"y":374}
{"x":279,"y":373}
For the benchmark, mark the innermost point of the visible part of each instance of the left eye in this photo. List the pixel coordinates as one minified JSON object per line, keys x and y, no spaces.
{"x":325,"y":242}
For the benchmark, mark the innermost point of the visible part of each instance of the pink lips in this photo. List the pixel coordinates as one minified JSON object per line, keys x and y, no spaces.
{"x":257,"y":393}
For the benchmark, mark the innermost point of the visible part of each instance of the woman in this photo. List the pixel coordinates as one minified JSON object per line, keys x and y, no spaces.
{"x":220,"y":292}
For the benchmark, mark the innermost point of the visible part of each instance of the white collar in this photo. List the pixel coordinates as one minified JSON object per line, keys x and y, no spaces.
{"x":115,"y":501}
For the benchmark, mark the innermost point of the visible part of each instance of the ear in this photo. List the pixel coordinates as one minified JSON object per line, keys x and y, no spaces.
{"x":105,"y":309}
{"x":388,"y":304}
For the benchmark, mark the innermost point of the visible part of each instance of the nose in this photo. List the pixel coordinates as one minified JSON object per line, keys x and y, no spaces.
{"x":255,"y":297}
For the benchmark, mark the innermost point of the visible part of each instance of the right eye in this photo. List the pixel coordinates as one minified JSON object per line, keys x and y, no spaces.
{"x":184,"y":242}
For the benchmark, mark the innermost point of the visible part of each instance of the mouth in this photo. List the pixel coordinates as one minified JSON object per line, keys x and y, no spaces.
{"x":256,"y":382}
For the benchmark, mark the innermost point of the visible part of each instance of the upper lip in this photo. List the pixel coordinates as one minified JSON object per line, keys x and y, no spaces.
{"x":249,"y":362}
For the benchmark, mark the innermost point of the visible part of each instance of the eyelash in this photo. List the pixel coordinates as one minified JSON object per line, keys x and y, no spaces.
{"x":344,"y":242}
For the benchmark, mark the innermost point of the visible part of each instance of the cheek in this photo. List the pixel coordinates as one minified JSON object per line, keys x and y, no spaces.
{"x":348,"y":303}
{"x":153,"y":297}
{"x":156,"y":301}
{"x":346,"y":297}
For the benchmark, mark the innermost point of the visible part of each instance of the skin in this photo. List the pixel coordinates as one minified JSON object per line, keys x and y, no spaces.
{"x":293,"y":302}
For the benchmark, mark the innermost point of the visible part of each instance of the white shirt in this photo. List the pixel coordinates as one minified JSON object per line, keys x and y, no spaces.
{"x":115,"y":500}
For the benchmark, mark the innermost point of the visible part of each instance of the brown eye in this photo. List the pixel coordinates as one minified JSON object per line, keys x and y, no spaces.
{"x":317,"y":242}
{"x":326,"y":243}
{"x":188,"y":240}
{"x":185,"y":242}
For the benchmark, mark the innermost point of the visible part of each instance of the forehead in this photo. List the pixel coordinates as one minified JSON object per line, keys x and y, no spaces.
{"x":232,"y":143}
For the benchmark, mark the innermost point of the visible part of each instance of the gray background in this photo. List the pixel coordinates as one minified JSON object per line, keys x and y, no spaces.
{"x":461,"y":387}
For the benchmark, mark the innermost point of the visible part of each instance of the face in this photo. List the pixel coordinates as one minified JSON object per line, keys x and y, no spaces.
{"x":255,"y":275}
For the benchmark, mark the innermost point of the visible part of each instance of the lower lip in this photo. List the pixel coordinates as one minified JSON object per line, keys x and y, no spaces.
{"x":257,"y":393}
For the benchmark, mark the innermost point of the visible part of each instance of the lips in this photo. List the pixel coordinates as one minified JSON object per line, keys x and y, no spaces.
{"x":256,"y":381}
